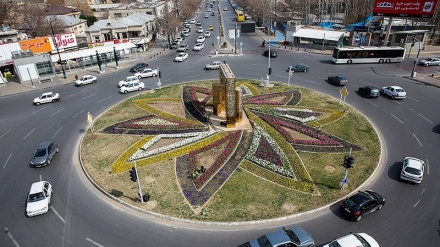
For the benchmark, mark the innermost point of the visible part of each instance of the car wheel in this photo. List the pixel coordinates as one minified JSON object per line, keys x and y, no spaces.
{"x":393,"y":96}
{"x":359,"y":218}
{"x":57,"y":150}
{"x":93,"y":81}
{"x":380,"y":207}
{"x":38,"y":103}
{"x":305,"y":70}
{"x":125,"y":91}
{"x":80,"y":84}
{"x":139,"y":77}
{"x":139,"y":89}
{"x":53,"y":100}
{"x":48,"y":161}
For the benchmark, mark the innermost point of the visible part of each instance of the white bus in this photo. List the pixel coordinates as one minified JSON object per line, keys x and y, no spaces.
{"x":368,"y":54}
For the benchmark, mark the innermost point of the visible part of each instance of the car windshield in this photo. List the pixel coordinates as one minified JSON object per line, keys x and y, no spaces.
{"x":292,"y":236}
{"x":413,"y":171}
{"x":36,"y":197}
{"x":40,"y":153}
{"x":375,"y":91}
{"x":263,"y":241}
{"x":362,"y":240}
{"x":352,"y":204}
{"x":334,"y":244}
{"x":399,"y":90}
{"x":342,"y":78}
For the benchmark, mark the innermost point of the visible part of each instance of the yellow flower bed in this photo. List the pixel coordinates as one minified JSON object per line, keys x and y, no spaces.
{"x":335,"y":115}
{"x":251,"y":87}
{"x":121,"y":163}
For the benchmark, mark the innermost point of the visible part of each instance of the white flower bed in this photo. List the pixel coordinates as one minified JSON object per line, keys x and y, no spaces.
{"x":299,"y":119}
{"x":258,"y":133}
{"x":247,"y":92}
{"x":156,"y":121}
{"x":191,"y":137}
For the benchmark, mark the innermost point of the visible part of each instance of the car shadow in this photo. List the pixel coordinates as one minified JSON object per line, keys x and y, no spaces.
{"x":326,"y":61}
{"x":394,"y":171}
{"x":335,"y":209}
{"x":436,"y":129}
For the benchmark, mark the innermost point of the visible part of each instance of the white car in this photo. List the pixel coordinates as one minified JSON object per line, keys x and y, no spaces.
{"x":412,"y":170}
{"x":354,"y":239}
{"x":47,"y":98}
{"x":87,"y":79}
{"x":192,"y":21}
{"x":198,"y":47}
{"x":225,"y":9}
{"x":207,"y":34}
{"x":181,"y":57}
{"x":209,"y":10}
{"x":127,"y":80}
{"x":395,"y":92}
{"x":182,"y":48}
{"x":39,"y":198}
{"x":200,"y":30}
{"x":146,"y":73}
{"x":198,"y":23}
{"x":206,"y":16}
{"x":200,"y":39}
{"x":133,"y":86}
{"x":178,"y":39}
{"x":213,"y":65}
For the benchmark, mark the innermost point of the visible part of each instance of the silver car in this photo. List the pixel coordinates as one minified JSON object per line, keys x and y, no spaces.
{"x":44,"y":154}
{"x":87,"y":79}
{"x":47,"y":98}
{"x":213,"y":65}
{"x":285,"y":237}
{"x":432,"y":61}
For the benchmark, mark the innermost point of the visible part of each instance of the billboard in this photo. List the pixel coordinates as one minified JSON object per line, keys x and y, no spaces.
{"x":36,"y":45}
{"x":405,"y":8}
{"x":64,"y":41}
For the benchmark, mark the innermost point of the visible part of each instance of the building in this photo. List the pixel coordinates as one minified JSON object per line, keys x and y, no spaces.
{"x":137,"y":28}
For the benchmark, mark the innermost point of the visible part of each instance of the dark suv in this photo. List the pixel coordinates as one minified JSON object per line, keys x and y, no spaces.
{"x":337,"y":80}
{"x":369,"y":92}
{"x":44,"y":154}
{"x":362,"y":203}
{"x":138,"y":67}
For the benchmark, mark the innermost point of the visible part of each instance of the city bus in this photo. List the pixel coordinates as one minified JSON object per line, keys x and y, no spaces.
{"x":240,"y":15}
{"x":368,"y":54}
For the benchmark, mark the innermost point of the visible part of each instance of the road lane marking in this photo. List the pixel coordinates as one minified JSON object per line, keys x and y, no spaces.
{"x":427,"y":166}
{"x":314,"y":82}
{"x":417,"y":139}
{"x":93,"y":242}
{"x":255,"y":69}
{"x":41,"y":177}
{"x":56,"y":132}
{"x":11,"y":237}
{"x":29,"y":133}
{"x":77,"y":93}
{"x":397,"y":118}
{"x":413,"y":99}
{"x":5,"y":133}
{"x":37,"y":111}
{"x":89,"y":96}
{"x":57,"y":112}
{"x":420,"y":198}
{"x":59,"y":216}
{"x":419,"y":115}
{"x":7,"y":160}
{"x":371,"y":103}
{"x":189,"y":76}
{"x":78,"y":113}
{"x":104,"y":99}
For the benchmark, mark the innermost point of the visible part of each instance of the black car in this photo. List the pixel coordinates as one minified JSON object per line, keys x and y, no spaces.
{"x":272,"y":53}
{"x":337,"y":80}
{"x":362,"y":203}
{"x":369,"y":92}
{"x":138,"y":67}
{"x":44,"y":154}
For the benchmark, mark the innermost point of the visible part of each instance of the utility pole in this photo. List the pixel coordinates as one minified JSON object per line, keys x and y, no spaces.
{"x":235,"y":39}
{"x":56,"y":45}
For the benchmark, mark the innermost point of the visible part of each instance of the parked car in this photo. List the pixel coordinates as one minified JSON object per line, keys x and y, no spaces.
{"x":354,"y":239}
{"x":247,"y":17}
{"x":395,"y":92}
{"x":361,"y":204}
{"x":187,"y":25}
{"x":295,"y":237}
{"x":198,"y":23}
{"x":138,"y":67}
{"x":44,"y":154}
{"x":132,"y":86}
{"x":182,"y":48}
{"x":300,"y":67}
{"x":181,"y":57}
{"x":87,"y":79}
{"x":146,"y":73}
{"x":192,"y":21}
{"x":272,"y":53}
{"x":174,"y":45}
{"x":369,"y":92}
{"x":212,"y":13}
{"x":206,"y":16}
{"x":412,"y":170}
{"x":209,"y":10}
{"x":200,"y":30}
{"x":127,"y":80}
{"x":47,"y":98}
{"x":207,"y":34}
{"x":198,"y":47}
{"x":38,"y":199}
{"x":200,"y":39}
{"x":213,"y":65}
{"x":337,"y":80}
{"x":178,"y":40}
{"x":432,"y":61}
{"x":184,"y":34}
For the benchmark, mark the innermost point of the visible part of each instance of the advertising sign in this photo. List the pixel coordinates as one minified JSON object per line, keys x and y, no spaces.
{"x":64,"y":41}
{"x":405,"y":8}
{"x":37,"y":45}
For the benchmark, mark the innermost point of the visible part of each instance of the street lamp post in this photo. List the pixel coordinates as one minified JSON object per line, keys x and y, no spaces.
{"x":413,"y":73}
{"x":56,"y":45}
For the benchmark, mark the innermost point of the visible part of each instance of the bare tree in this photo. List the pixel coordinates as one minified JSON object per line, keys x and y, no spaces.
{"x":169,"y":23}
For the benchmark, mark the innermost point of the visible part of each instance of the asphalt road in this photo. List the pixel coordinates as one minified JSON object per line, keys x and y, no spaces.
{"x":81,"y":216}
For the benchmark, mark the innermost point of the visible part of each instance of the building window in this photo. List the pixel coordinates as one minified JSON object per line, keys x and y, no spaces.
{"x":44,"y":68}
{"x":118,"y":14}
{"x":96,"y":39}
{"x":107,"y":36}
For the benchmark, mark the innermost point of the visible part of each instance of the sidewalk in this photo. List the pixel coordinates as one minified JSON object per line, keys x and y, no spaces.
{"x":152,"y":53}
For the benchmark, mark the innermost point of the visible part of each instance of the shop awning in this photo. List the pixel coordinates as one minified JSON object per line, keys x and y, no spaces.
{"x":91,"y":52}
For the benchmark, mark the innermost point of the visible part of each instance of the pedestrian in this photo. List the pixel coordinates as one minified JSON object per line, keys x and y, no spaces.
{"x":262,"y":44}
{"x":76,"y":77}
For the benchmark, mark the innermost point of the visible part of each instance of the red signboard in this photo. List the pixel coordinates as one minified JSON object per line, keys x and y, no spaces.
{"x":405,"y":8}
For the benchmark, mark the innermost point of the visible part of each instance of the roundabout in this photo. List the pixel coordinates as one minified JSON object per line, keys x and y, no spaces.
{"x":284,"y":157}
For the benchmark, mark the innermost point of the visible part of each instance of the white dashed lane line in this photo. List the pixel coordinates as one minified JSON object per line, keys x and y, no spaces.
{"x":93,"y":242}
{"x":397,"y":119}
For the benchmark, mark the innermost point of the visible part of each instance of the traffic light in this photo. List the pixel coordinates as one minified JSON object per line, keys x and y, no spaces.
{"x":133,"y":175}
{"x":160,"y":74}
{"x":348,"y":161}
{"x":270,"y":71}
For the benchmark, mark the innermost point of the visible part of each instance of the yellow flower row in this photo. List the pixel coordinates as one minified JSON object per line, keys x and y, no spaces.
{"x":336,"y":114}
{"x":121,"y":163}
{"x":251,"y":87}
